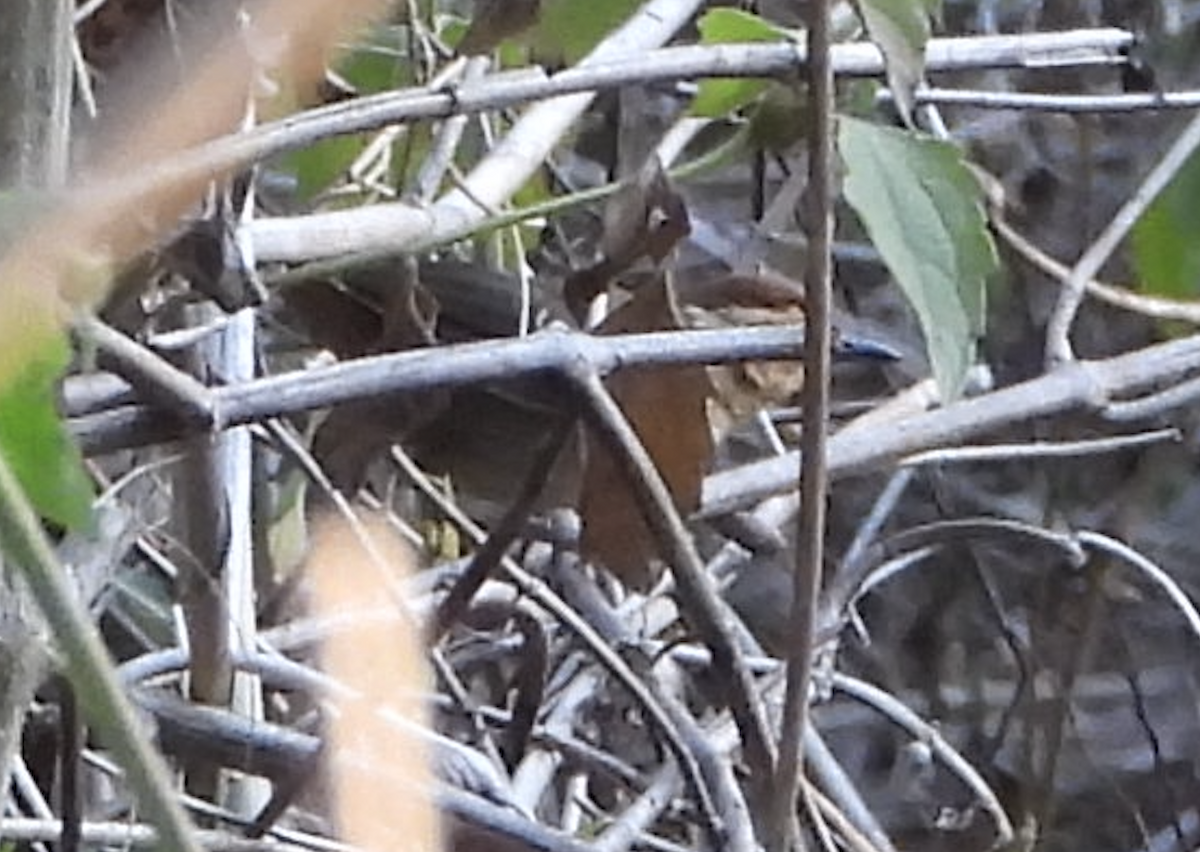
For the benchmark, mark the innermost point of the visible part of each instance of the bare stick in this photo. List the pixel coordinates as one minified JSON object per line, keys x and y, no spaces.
{"x":814,"y":474}
{"x":1058,"y":344}
{"x":160,"y":382}
{"x":1064,"y":103}
{"x":1157,"y":307}
{"x":698,"y":596}
{"x":88,"y":664}
{"x":502,"y":536}
{"x":454,"y":366}
{"x":400,"y":226}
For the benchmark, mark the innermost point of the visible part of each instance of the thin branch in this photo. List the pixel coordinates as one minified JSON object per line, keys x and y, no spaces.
{"x":503,"y":535}
{"x":1041,"y":449}
{"x":159,"y":381}
{"x":136,"y":836}
{"x":814,"y":474}
{"x":1064,"y":103}
{"x":88,"y":664}
{"x":456,"y":366}
{"x":700,"y":601}
{"x":512,"y":88}
{"x":928,"y":734}
{"x":1154,"y":404}
{"x":1058,"y":330}
{"x":539,"y":592}
{"x":1156,"y":575}
{"x":1156,"y":307}
{"x":712,"y":759}
{"x":490,"y":184}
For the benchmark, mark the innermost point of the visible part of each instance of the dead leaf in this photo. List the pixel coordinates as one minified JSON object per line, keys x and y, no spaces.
{"x":645,"y":218}
{"x":666,"y":407}
{"x":734,"y":301}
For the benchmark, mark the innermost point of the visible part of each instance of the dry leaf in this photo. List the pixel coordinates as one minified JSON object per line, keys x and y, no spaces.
{"x":732,"y":301}
{"x":645,"y":218}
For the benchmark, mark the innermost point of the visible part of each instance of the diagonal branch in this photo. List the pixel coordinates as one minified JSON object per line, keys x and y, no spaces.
{"x":700,"y":601}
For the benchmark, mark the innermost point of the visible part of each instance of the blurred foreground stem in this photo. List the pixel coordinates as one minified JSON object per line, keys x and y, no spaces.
{"x":87,"y":664}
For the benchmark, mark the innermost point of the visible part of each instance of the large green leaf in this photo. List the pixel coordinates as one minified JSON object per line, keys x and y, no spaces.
{"x":922,"y":208}
{"x":900,"y":29}
{"x":32,"y":438}
{"x":1165,"y":249}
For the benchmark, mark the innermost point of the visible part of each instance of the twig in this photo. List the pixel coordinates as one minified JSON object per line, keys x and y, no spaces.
{"x":849,"y":833}
{"x":1153,"y":405}
{"x":1156,"y":575}
{"x":914,"y":546}
{"x":1156,"y":307}
{"x":457,"y":366}
{"x":509,"y":164}
{"x":854,"y":818}
{"x":700,"y":602}
{"x":549,"y":600}
{"x":1040,"y":449}
{"x":1065,"y":103}
{"x":489,"y":185}
{"x":87,"y":662}
{"x":136,"y":836}
{"x":814,"y":473}
{"x":510,"y":88}
{"x":1058,"y":330}
{"x":441,"y":156}
{"x":161,"y":382}
{"x":713,"y":761}
{"x":502,"y":536}
{"x":928,"y":734}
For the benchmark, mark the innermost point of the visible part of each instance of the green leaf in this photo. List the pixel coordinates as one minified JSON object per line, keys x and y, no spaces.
{"x":377,"y":63}
{"x":900,"y":29}
{"x":720,"y":96}
{"x":567,"y":30}
{"x":717,"y":97}
{"x":32,"y":438}
{"x":1166,"y":252}
{"x":320,"y":164}
{"x":922,"y":208}
{"x":730,"y":26}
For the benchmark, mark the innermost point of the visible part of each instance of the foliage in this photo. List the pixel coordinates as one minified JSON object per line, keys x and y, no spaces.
{"x":921,"y":206}
{"x":1165,"y":248}
{"x":32,"y":437}
{"x":900,"y":28}
{"x":719,"y":97}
